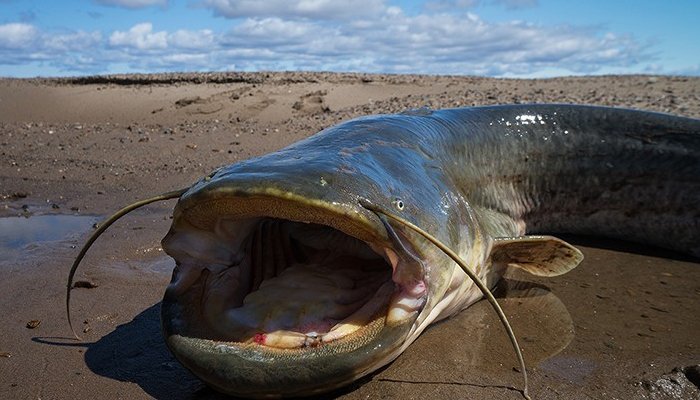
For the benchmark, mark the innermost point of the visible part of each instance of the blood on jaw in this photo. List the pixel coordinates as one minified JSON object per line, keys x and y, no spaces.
{"x":260,"y":338}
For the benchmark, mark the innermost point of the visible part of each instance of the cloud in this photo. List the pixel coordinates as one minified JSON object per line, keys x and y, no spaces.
{"x":273,"y":32}
{"x":141,"y":37}
{"x":443,"y":5}
{"x":446,"y":5}
{"x":202,"y":40}
{"x":133,"y":4}
{"x":285,"y":38}
{"x":516,"y":4}
{"x":317,"y":9}
{"x":17,"y":35}
{"x":142,"y":49}
{"x":72,"y":41}
{"x":24,"y":44}
{"x":427,"y":43}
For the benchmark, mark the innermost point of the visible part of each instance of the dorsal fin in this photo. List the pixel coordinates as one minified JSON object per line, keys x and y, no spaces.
{"x":538,"y":255}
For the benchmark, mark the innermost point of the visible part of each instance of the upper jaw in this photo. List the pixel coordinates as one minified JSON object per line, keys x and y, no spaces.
{"x":218,"y":244}
{"x":204,"y":208}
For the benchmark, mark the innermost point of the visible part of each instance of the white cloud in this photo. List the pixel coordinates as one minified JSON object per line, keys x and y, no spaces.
{"x":17,"y":35}
{"x":72,"y":41}
{"x":391,"y":42}
{"x":133,"y":3}
{"x":318,"y":9}
{"x":427,"y":43}
{"x":273,"y":32}
{"x":141,"y":49}
{"x":514,"y":4}
{"x":444,"y":5}
{"x":140,"y":36}
{"x":202,"y":40}
{"x":437,"y":42}
{"x":180,"y":58}
{"x":24,"y":45}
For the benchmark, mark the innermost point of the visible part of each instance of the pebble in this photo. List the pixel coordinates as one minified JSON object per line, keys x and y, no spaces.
{"x":85,"y":284}
{"x":33,"y":324}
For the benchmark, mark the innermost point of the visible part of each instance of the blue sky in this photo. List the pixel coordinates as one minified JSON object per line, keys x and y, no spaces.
{"x":510,"y":38}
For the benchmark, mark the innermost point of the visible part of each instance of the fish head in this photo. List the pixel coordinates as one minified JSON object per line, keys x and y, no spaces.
{"x":286,"y":285}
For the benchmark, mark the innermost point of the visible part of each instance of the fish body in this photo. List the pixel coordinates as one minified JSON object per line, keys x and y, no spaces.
{"x":287,"y":284}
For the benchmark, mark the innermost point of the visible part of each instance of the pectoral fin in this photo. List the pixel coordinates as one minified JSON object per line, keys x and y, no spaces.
{"x":538,"y":255}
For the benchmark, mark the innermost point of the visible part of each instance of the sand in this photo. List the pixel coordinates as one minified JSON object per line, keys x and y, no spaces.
{"x":622,"y":325}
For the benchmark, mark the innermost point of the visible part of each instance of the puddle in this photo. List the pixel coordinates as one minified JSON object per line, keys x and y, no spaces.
{"x":18,"y":233}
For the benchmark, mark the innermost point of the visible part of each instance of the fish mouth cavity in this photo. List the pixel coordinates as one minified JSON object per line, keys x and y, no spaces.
{"x":286,"y":284}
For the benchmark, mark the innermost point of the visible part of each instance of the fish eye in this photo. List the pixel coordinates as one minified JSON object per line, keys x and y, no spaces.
{"x":398,"y":203}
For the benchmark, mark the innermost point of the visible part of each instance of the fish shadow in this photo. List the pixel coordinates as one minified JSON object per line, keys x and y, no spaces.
{"x":626,"y":247}
{"x":136,"y":352}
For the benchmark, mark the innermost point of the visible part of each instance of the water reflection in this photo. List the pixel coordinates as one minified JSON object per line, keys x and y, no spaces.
{"x":472,"y":347}
{"x":17,"y":233}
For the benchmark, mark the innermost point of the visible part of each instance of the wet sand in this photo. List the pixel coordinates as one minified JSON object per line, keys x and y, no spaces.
{"x":623,"y":325}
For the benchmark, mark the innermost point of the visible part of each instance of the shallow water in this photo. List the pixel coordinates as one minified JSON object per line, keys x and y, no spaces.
{"x":19,"y":233}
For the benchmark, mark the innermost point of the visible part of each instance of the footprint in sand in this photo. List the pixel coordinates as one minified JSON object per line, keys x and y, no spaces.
{"x":312,"y":103}
{"x":247,"y":103}
{"x":197,"y":105}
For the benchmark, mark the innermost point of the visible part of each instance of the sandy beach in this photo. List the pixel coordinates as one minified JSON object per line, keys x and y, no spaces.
{"x":623,"y":325}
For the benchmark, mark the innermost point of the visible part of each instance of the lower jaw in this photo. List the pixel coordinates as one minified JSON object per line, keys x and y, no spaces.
{"x":254,"y":370}
{"x":242,"y":367}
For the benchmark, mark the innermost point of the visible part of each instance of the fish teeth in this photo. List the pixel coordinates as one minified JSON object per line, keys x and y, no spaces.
{"x":362,"y":316}
{"x":282,"y":339}
{"x":397,"y":315}
{"x":404,"y":305}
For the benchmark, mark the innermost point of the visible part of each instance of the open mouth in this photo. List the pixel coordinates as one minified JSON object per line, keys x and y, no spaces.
{"x":285,"y":284}
{"x":274,"y":294}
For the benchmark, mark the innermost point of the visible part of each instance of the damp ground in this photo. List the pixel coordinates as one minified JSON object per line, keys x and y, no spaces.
{"x":623,"y":323}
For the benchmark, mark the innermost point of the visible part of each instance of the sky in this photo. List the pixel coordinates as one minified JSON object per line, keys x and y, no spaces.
{"x":501,"y":38}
